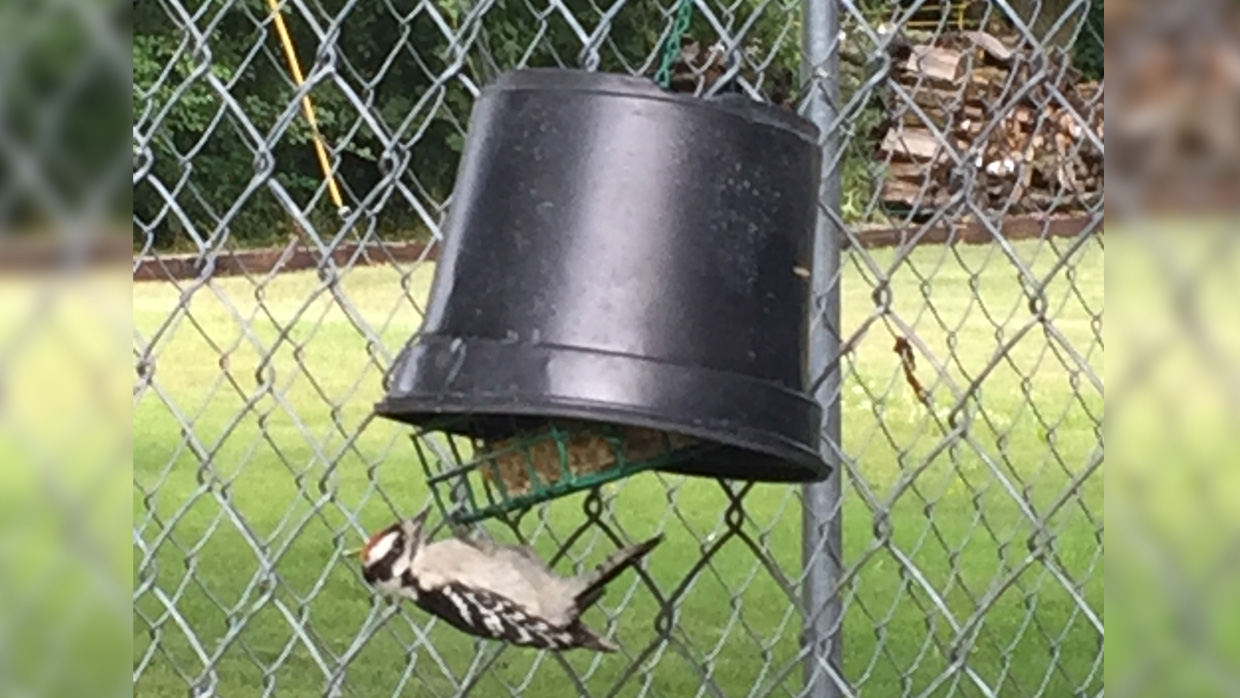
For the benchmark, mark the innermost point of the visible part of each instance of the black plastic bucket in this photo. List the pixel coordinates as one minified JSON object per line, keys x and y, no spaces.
{"x":619,"y":254}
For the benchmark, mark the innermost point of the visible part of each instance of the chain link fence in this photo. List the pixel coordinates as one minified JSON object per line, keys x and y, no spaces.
{"x":957,"y":347}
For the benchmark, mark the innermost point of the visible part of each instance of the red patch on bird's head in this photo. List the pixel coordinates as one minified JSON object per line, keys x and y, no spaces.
{"x":373,"y":540}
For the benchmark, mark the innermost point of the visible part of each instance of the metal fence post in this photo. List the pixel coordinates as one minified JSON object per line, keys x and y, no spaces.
{"x":821,"y":525}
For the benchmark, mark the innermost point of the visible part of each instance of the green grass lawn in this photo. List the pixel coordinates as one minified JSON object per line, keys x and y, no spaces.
{"x":64,"y":484}
{"x":270,"y":386}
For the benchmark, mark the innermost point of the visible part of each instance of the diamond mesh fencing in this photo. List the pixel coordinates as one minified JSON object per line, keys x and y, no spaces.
{"x":957,"y":348}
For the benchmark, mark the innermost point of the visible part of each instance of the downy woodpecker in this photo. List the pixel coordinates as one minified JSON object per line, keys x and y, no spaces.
{"x":491,"y":590}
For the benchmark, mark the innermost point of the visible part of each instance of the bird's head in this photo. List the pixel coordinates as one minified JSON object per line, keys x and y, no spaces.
{"x":388,"y":555}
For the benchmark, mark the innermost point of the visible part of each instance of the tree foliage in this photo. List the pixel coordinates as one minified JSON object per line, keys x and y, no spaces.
{"x":63,"y":75}
{"x":1088,"y":50}
{"x":231,"y":154}
{"x":228,"y":153}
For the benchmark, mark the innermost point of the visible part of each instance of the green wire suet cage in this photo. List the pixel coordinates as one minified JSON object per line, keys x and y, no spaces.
{"x":485,"y":477}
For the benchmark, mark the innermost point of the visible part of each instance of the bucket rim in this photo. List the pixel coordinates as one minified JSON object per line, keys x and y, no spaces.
{"x":431,"y":413}
{"x":624,"y":85}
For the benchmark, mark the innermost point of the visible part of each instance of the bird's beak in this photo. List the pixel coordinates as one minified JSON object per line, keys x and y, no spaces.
{"x":419,"y":520}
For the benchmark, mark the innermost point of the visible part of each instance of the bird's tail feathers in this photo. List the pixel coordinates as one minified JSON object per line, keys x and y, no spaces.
{"x":611,"y":568}
{"x":589,"y":639}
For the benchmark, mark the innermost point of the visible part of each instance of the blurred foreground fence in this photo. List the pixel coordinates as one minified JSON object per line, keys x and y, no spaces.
{"x":956,"y":551}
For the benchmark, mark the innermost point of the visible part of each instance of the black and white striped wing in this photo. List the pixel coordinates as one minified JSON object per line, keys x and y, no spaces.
{"x":486,"y":614}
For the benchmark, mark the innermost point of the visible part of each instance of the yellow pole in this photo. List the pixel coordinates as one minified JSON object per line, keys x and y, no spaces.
{"x":306,"y":105}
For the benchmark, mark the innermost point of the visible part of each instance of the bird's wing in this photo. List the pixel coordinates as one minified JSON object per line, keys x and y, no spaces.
{"x":500,"y":570}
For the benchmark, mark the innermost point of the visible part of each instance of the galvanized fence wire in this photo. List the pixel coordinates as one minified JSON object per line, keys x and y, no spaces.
{"x":956,"y":551}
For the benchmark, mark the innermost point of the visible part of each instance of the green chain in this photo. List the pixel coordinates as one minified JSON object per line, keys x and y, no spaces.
{"x":671,"y":49}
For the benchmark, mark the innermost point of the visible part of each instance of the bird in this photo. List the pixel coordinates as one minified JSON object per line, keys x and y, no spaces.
{"x":491,"y":590}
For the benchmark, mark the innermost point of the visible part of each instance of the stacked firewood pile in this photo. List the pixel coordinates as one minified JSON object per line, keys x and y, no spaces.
{"x":1176,"y":127}
{"x":1008,"y":127}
